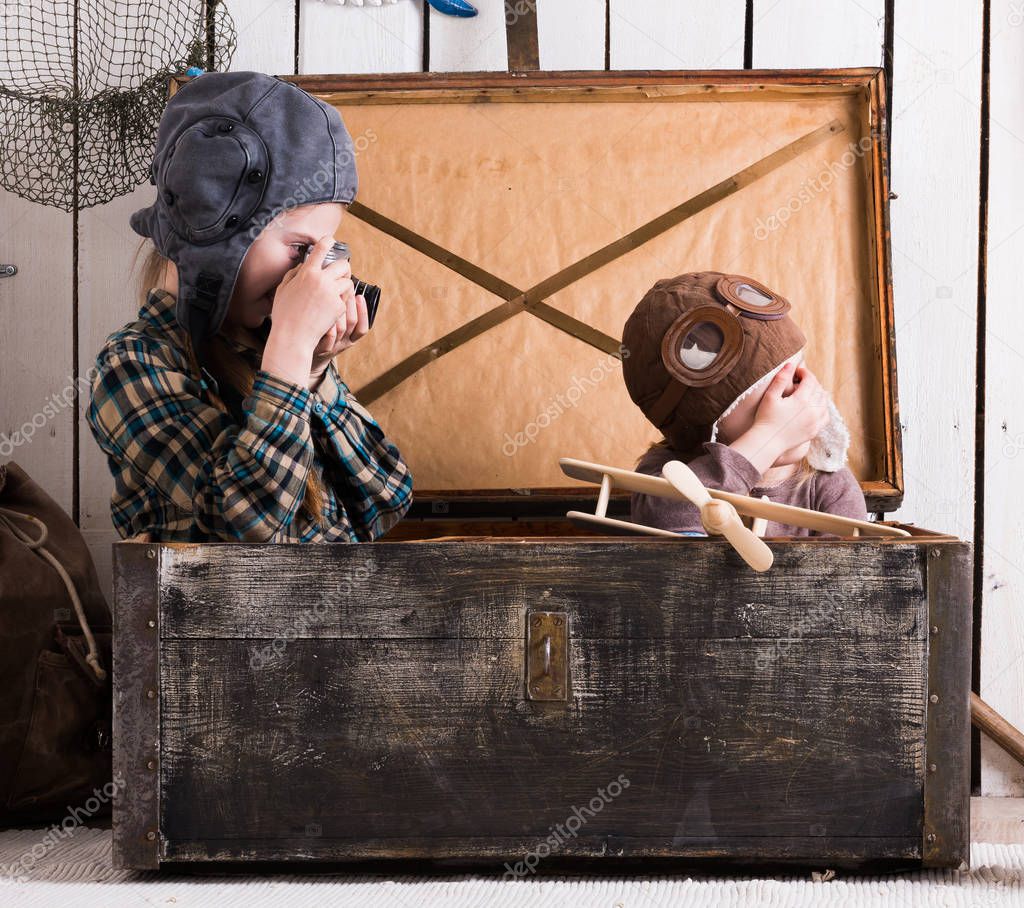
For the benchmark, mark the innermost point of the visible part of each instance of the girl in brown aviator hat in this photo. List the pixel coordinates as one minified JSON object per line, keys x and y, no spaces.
{"x":716,"y":363}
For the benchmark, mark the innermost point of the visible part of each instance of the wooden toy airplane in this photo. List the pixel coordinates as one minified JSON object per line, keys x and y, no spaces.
{"x":719,"y":511}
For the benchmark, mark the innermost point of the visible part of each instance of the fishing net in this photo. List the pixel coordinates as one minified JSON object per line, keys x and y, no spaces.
{"x":83,"y":84}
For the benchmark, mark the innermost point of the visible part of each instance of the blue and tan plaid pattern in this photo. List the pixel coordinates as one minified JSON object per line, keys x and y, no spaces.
{"x":185,"y":471}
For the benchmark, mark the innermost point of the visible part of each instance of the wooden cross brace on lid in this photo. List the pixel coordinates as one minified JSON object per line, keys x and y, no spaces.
{"x":532,"y":300}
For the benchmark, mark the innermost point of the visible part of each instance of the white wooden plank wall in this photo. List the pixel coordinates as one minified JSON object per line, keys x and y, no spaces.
{"x":35,"y":359}
{"x":936,"y":121}
{"x":1002,"y":663}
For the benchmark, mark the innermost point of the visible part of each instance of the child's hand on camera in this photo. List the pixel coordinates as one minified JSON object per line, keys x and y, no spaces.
{"x":316,"y":315}
{"x":341,"y":335}
{"x":311,"y":299}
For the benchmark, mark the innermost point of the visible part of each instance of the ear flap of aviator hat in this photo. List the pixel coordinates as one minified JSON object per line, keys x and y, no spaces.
{"x":233,"y":151}
{"x":213,"y":179}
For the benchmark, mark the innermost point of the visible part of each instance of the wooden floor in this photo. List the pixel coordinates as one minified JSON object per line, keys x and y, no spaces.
{"x":997,"y":820}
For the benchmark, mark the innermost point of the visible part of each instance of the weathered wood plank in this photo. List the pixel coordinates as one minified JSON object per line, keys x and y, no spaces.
{"x":136,"y":719}
{"x":584,"y":853}
{"x":627,"y":589}
{"x":351,"y":702}
{"x":435,"y":737}
{"x":947,"y":794}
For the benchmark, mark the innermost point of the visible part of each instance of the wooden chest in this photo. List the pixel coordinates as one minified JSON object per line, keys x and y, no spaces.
{"x":490,"y":685}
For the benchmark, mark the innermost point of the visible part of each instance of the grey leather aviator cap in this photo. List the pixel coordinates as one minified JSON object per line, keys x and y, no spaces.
{"x":233,"y":150}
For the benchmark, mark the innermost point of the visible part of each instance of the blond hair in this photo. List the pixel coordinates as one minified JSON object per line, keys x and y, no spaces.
{"x":225,"y":364}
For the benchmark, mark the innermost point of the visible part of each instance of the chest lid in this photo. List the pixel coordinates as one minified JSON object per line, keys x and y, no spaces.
{"x":514,"y":221}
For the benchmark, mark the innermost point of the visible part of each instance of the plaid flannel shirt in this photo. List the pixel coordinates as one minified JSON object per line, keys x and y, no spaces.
{"x":185,"y":471}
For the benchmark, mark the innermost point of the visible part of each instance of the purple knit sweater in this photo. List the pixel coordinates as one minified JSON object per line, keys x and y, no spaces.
{"x":723,"y":468}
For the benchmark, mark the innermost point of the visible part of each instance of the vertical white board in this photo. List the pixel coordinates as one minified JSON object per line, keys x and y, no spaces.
{"x":107,"y":297}
{"x":817,"y":34}
{"x":37,"y":404}
{"x":659,"y":34}
{"x":266,"y":36}
{"x":470,"y":45}
{"x":570,"y":33}
{"x":936,"y":121}
{"x":360,"y":39}
{"x":1002,"y":626}
{"x":936,"y":124}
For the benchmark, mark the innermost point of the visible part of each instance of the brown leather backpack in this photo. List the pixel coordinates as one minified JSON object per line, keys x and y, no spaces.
{"x":55,"y":636}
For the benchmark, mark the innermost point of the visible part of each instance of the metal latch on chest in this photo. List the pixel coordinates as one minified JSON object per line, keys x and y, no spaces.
{"x":547,"y":663}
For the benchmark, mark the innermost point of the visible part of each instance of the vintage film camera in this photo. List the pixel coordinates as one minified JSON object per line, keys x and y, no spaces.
{"x":370,"y":292}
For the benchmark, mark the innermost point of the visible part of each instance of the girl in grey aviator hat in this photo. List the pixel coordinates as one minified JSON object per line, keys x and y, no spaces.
{"x":220,"y":407}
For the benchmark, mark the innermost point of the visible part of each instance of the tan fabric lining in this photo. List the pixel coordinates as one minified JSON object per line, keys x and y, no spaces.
{"x":513,"y":194}
{"x":532,"y":300}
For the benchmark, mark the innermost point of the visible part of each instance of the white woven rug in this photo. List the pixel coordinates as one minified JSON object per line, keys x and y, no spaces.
{"x":76,"y":872}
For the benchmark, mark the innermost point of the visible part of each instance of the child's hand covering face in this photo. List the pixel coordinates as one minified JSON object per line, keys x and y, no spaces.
{"x":793,"y":409}
{"x":795,"y":405}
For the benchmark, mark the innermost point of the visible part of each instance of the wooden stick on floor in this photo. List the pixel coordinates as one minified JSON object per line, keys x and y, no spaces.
{"x":1007,"y":736}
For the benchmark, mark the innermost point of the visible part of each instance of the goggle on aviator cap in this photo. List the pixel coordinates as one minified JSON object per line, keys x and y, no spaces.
{"x":701,"y":342}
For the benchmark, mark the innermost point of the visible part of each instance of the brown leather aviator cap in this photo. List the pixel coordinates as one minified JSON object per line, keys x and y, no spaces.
{"x":697,"y":343}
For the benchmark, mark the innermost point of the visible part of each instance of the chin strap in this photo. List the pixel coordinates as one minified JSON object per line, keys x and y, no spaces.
{"x":228,"y":395}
